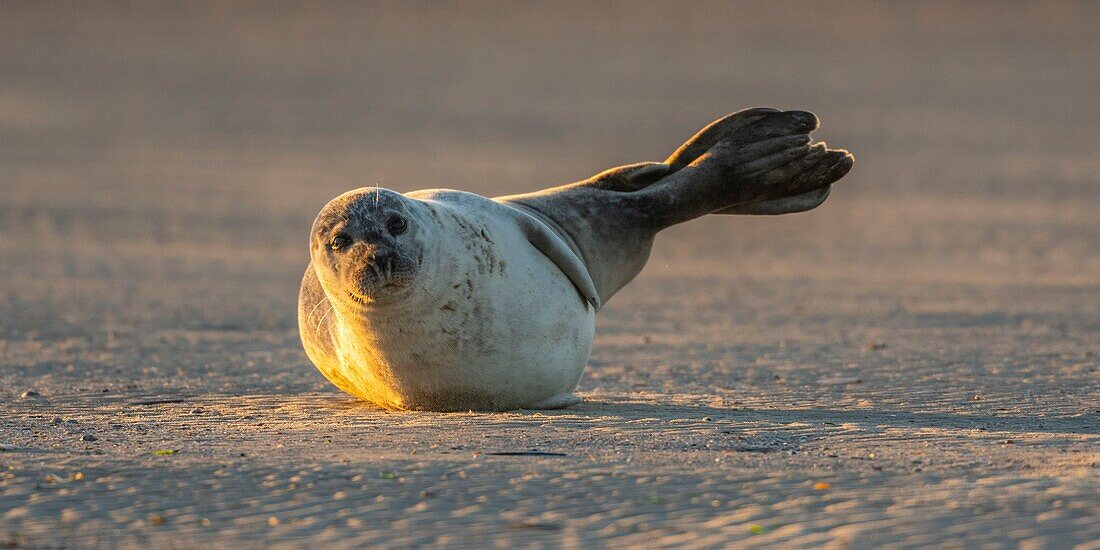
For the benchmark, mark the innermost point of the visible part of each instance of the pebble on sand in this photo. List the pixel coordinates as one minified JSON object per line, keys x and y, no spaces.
{"x":88,"y":437}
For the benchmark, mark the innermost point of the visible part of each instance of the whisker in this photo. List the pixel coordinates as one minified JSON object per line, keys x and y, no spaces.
{"x":330,"y":308}
{"x":315,"y":306}
{"x":377,"y":272}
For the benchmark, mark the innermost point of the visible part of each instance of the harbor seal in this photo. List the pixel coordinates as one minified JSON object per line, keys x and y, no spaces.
{"x":446,"y":300}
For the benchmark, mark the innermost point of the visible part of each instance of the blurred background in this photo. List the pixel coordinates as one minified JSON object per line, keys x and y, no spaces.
{"x":161,"y":164}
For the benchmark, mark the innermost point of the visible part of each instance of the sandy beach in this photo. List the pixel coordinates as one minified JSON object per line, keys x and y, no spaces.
{"x":915,"y":363}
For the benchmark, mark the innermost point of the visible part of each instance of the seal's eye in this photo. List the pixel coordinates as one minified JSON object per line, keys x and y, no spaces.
{"x":339,"y":241}
{"x":397,"y":225}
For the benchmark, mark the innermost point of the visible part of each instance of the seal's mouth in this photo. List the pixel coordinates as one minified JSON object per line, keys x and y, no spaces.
{"x":366,"y":281}
{"x":371,"y":291}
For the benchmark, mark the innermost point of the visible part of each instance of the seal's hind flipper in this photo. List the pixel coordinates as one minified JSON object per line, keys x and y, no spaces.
{"x":634,"y":177}
{"x":629,"y":178}
{"x":757,"y":161}
{"x":775,"y":207}
{"x":771,"y":159}
{"x":713,"y":133}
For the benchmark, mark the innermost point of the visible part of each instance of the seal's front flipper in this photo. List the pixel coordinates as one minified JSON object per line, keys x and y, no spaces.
{"x":560,"y":401}
{"x":551,"y":244}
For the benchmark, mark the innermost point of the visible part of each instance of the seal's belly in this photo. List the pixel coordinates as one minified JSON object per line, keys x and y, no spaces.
{"x":514,"y":332}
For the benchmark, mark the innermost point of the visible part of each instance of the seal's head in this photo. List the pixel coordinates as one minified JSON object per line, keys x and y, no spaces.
{"x":364,"y":247}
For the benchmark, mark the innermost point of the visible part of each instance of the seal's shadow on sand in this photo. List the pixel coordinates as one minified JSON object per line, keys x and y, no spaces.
{"x":685,"y":411}
{"x":603,"y":425}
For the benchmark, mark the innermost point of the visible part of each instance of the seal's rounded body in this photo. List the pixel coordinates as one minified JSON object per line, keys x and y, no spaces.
{"x":491,"y":324}
{"x":445,"y":300}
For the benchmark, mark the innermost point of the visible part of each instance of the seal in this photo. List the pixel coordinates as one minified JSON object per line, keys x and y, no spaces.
{"x":445,"y":300}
